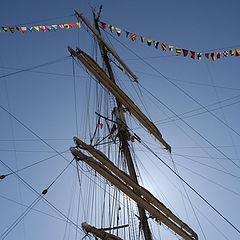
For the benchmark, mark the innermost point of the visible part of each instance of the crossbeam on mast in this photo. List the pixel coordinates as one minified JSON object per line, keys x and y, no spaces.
{"x":100,"y":75}
{"x":99,"y":232}
{"x":111,"y":50}
{"x":125,"y":188}
{"x":141,"y":191}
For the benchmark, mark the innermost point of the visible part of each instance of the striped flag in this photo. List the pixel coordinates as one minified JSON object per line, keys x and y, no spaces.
{"x":133,"y":36}
{"x":11,"y":29}
{"x":164,"y":47}
{"x":178,"y":51}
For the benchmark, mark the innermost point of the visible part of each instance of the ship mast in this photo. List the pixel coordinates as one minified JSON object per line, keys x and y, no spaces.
{"x":124,"y":102}
{"x":123,"y":131}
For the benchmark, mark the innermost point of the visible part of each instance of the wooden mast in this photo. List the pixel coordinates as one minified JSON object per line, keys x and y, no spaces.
{"x":123,"y":132}
{"x":122,"y":100}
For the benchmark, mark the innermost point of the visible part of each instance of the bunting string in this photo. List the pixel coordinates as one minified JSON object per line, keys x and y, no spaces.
{"x":164,"y":47}
{"x":40,"y":28}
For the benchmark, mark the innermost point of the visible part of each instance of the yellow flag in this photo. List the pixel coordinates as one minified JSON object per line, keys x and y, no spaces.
{"x":78,"y":24}
{"x":36,"y":28}
{"x":66,"y":26}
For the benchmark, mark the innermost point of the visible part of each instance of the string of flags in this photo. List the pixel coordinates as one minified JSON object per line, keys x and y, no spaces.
{"x":40,"y":28}
{"x":171,"y":48}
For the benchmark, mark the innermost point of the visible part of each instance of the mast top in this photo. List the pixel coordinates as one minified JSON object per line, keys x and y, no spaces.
{"x":110,"y":49}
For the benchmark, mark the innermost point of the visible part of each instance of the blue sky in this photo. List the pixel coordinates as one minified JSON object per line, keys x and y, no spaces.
{"x":205,"y":149}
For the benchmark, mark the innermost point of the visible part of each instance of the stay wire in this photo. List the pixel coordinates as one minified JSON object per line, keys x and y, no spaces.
{"x":18,"y":220}
{"x":193,"y":189}
{"x":33,"y":164}
{"x":34,"y":67}
{"x":198,"y":133}
{"x":188,"y":198}
{"x":38,"y":194}
{"x":183,"y":91}
{"x":75,"y":95}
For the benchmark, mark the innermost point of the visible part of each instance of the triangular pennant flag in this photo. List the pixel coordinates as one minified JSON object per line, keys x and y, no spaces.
{"x":149,"y":42}
{"x":24,"y":29}
{"x":11,"y":29}
{"x":237,"y":52}
{"x":36,"y":28}
{"x":207,"y":55}
{"x":199,"y":56}
{"x":156,"y":43}
{"x":54,"y":27}
{"x":66,"y":26}
{"x":225,"y":53}
{"x":104,"y":25}
{"x":170,"y":47}
{"x":78,"y":24}
{"x":192,"y":54}
{"x":71,"y":25}
{"x":30,"y":29}
{"x":111,"y":28}
{"x":178,"y":51}
{"x":43,"y":28}
{"x":61,"y":26}
{"x":218,"y":55}
{"x":101,"y":125}
{"x":49,"y":28}
{"x":142,"y":39}
{"x":127,"y":34}
{"x":213,"y":56}
{"x":232,"y":52}
{"x":5,"y":29}
{"x":185,"y":52}
{"x":118,"y":31}
{"x":133,"y":36}
{"x":164,"y":47}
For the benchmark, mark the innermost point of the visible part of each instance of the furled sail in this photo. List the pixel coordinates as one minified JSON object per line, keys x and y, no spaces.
{"x":139,"y":194}
{"x":100,"y":75}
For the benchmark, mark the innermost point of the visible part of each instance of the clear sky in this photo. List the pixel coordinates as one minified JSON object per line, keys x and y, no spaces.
{"x":195,"y":104}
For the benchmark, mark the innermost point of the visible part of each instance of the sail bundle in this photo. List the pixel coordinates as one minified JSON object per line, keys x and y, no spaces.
{"x":136,"y":192}
{"x":100,"y":75}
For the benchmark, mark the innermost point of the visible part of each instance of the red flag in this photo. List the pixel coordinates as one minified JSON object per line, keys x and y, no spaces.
{"x":101,"y":125}
{"x":104,"y":25}
{"x":192,"y":54}
{"x":185,"y":52}
{"x":207,"y":55}
{"x":218,"y":55}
